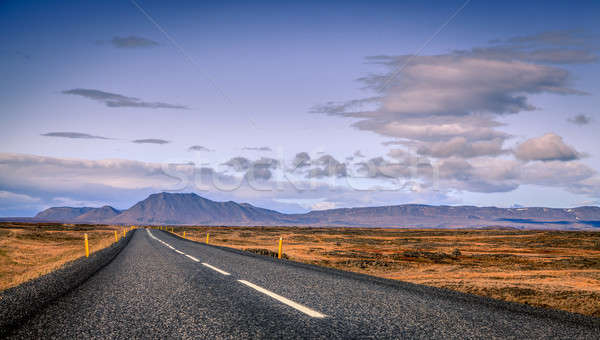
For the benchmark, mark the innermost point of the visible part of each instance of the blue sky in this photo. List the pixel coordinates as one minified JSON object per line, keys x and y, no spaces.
{"x":298,"y":106}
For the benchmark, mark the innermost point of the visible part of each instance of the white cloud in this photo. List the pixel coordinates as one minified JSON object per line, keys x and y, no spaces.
{"x":7,"y":196}
{"x":458,"y":85}
{"x":549,"y":147}
{"x":460,"y":146}
{"x":323,"y":205}
{"x":73,"y":174}
{"x":556,"y":173}
{"x":446,"y":111}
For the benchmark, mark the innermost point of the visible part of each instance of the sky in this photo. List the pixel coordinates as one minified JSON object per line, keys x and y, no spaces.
{"x":299,"y":106}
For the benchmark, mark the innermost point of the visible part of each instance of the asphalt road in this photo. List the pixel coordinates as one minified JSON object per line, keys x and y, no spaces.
{"x":161,"y":286}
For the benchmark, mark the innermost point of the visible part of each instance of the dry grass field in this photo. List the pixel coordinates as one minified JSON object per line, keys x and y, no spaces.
{"x":30,"y":250}
{"x":554,"y":269}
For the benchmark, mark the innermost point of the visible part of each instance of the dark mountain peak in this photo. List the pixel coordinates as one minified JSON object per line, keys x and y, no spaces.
{"x":169,"y":195}
{"x":190,"y":208}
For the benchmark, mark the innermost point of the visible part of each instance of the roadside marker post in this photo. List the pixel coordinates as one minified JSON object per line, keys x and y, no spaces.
{"x":87,"y":247}
{"x":116,"y":237}
{"x":207,"y":235}
{"x":280,"y":244}
{"x":124,"y":233}
{"x":184,"y":234}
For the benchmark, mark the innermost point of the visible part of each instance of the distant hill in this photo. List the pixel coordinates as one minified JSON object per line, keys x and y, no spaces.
{"x":418,"y":215}
{"x":190,"y":209}
{"x":81,"y":215}
{"x":98,"y":215}
{"x":62,"y":213}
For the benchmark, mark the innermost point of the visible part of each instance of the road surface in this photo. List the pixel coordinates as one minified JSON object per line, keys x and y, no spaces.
{"x":161,"y":286}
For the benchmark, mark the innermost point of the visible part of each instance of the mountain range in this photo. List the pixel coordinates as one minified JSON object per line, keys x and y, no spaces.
{"x":191,"y":209}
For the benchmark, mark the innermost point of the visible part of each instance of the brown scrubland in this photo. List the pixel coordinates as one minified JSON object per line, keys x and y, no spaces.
{"x":552,"y":269}
{"x":30,"y":250}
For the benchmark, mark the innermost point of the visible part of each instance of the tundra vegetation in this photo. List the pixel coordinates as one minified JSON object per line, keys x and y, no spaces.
{"x":30,"y":250}
{"x":552,"y":269}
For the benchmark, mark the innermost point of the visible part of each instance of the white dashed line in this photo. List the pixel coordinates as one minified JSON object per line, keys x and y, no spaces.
{"x":193,"y":258}
{"x":277,"y":297}
{"x":176,"y":250}
{"x":216,"y":269}
{"x":288,"y":302}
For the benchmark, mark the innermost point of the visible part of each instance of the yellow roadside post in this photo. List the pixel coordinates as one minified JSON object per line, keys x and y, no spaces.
{"x":280,"y":243}
{"x":124,"y":233}
{"x":87,"y":247}
{"x":207,"y":235}
{"x":184,"y":234}
{"x":116,"y":237}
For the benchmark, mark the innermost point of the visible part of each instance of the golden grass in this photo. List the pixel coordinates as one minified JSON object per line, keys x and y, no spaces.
{"x":554,"y":269}
{"x":31,"y":250}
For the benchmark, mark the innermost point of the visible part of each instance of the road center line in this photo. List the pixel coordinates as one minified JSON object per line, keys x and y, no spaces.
{"x":288,"y":302}
{"x":193,"y":258}
{"x":179,"y":252}
{"x":216,"y":269}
